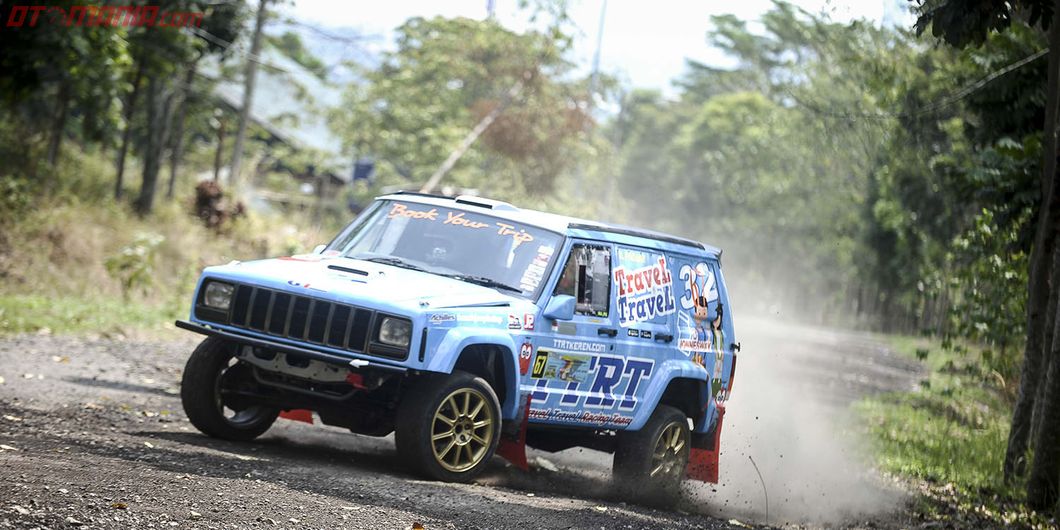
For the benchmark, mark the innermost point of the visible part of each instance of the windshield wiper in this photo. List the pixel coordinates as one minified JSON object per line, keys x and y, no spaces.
{"x":484,"y":281}
{"x":396,"y":262}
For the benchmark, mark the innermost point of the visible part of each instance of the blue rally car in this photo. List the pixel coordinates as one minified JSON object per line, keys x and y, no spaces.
{"x":469,"y":327}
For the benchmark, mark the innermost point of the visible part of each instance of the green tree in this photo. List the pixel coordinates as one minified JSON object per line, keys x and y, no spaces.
{"x":443,"y":78}
{"x":963,"y":23}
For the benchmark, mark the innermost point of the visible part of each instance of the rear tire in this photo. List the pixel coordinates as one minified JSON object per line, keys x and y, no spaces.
{"x":448,"y":426}
{"x":650,"y":463}
{"x":201,"y":394}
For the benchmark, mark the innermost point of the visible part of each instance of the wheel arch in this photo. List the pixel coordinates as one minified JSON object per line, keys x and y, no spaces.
{"x":461,"y":348}
{"x":495,"y":364}
{"x":686,"y":395}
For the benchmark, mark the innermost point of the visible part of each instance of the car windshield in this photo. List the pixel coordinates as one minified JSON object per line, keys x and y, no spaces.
{"x":472,"y":247}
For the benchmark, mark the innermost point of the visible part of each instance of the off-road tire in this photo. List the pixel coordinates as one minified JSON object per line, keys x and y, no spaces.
{"x":417,"y":426}
{"x":200,"y":395}
{"x":637,"y":455}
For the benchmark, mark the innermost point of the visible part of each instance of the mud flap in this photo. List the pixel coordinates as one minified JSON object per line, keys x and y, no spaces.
{"x":302,"y":415}
{"x":703,"y":461}
{"x":513,"y":447}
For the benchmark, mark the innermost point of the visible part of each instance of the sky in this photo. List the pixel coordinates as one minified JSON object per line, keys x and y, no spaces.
{"x":644,"y":43}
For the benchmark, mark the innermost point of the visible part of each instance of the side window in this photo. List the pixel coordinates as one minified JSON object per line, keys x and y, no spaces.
{"x":587,"y":277}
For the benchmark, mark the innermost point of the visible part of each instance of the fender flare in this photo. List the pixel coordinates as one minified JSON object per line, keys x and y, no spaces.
{"x":668,"y":371}
{"x":458,"y":339}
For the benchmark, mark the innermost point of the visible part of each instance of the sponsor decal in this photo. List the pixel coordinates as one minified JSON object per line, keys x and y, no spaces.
{"x":535,"y":271}
{"x":609,"y":381}
{"x":480,"y":318}
{"x":632,"y":332}
{"x":644,"y":293}
{"x":514,"y":322}
{"x":528,"y":321}
{"x":628,"y":256}
{"x":561,"y":366}
{"x":577,"y":345}
{"x":401,"y":210}
{"x":442,"y":318}
{"x":293,"y":283}
{"x":458,"y":219}
{"x":525,"y":351}
{"x":645,"y":334}
{"x":690,"y":345}
{"x":519,"y":236}
{"x":595,"y":418}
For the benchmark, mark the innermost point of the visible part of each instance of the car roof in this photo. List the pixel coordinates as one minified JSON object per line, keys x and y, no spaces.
{"x":570,"y":226}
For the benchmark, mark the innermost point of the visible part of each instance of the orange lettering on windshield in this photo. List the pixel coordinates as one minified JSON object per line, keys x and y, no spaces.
{"x":400,"y":210}
{"x":520,"y":236}
{"x":459,"y":220}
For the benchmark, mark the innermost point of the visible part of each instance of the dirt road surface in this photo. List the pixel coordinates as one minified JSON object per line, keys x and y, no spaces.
{"x":92,"y":435}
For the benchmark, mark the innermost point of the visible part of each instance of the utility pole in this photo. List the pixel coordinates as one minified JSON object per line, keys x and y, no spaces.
{"x":248,"y":95}
{"x":593,"y":78}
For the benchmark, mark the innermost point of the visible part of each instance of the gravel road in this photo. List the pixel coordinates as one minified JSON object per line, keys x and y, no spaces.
{"x":92,"y":435}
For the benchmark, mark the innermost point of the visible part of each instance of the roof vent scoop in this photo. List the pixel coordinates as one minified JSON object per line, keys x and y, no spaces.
{"x":481,"y":202}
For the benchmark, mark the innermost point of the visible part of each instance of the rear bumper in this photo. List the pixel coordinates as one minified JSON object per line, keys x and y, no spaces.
{"x":285,"y":348}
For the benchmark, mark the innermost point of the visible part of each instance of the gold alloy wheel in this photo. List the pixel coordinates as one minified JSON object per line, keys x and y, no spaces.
{"x":462,"y":430}
{"x":665,"y":460}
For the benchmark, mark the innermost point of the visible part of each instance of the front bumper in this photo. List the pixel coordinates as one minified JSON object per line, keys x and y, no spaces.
{"x":287,"y":348}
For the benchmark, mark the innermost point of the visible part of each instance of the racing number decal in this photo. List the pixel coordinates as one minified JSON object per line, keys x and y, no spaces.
{"x":689,"y":276}
{"x":539,"y":364}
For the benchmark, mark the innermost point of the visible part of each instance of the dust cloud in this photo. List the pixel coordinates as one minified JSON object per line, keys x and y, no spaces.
{"x":790,"y":413}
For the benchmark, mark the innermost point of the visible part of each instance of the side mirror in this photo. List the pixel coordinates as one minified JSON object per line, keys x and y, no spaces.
{"x":560,"y":307}
{"x":319,"y":249}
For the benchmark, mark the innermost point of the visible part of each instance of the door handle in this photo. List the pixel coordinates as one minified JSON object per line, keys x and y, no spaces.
{"x":664,"y":337}
{"x":610,"y":332}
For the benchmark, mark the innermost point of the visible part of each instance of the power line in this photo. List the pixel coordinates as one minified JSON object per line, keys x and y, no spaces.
{"x":934,"y":106}
{"x":227,"y":45}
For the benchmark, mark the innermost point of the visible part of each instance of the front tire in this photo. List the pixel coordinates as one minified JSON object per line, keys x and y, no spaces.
{"x":448,"y":426}
{"x":651,"y":462}
{"x":211,"y":369}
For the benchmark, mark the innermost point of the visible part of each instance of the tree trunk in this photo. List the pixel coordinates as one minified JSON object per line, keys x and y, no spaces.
{"x":126,"y":135}
{"x":248,"y":96}
{"x":177,"y":143}
{"x":1040,"y":270}
{"x":59,"y":125}
{"x":1047,"y":341}
{"x":159,"y":112}
{"x":218,"y":154}
{"x":1043,"y":485}
{"x":480,"y":128}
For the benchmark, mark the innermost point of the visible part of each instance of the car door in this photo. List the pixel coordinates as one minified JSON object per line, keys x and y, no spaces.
{"x":704,"y":329}
{"x":576,"y":377}
{"x":645,"y":307}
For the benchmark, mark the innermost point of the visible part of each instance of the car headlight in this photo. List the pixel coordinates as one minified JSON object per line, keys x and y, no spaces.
{"x":218,"y":295}
{"x":395,"y":332}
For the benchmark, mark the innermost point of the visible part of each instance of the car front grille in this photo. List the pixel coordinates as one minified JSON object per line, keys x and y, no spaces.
{"x":302,"y":318}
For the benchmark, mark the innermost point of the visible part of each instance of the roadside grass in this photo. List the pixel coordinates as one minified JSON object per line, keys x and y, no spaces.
{"x":74,"y":260}
{"x":104,"y":315}
{"x":948,"y":439}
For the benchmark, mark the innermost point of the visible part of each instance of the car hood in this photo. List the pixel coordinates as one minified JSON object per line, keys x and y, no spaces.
{"x":360,"y":281}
